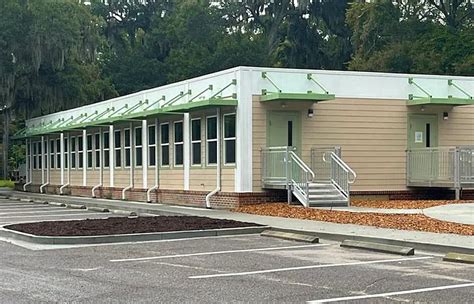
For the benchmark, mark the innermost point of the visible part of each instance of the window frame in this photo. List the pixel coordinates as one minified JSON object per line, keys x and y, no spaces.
{"x":97,"y":163}
{"x":216,"y":140}
{"x":58,"y":154}
{"x":194,"y":141}
{"x":119,"y":149}
{"x":178,"y":143}
{"x":225,"y":139}
{"x":167,"y":144}
{"x":151,"y":146}
{"x":80,"y":152}
{"x":73,"y":152}
{"x":35,"y":159}
{"x":52,"y":153}
{"x":105,"y":151}
{"x":136,"y":147}
{"x":127,"y":148}
{"x":90,"y":152}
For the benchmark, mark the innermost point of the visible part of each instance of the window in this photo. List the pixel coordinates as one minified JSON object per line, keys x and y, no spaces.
{"x":178,"y":143}
{"x":46,"y":154}
{"x":138,"y":147}
{"x":165,"y":144}
{"x":229,"y":139}
{"x":58,"y":154}
{"x":52,"y":154}
{"x":97,"y":150}
{"x":152,"y":146}
{"x":73,"y":153}
{"x":106,"y":149}
{"x":117,"y":148}
{"x":127,"y":147}
{"x":211,"y":138}
{"x":40,"y":155}
{"x":29,"y":156}
{"x":80,"y":152}
{"x":66,"y":154}
{"x":89,"y":151}
{"x":34,"y":156}
{"x":196,"y":141}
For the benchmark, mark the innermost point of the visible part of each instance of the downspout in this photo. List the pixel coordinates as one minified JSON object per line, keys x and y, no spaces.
{"x":218,"y":168}
{"x":68,"y":155}
{"x":132,"y":146}
{"x":101,"y":172}
{"x":28,"y":165}
{"x":157,"y":176}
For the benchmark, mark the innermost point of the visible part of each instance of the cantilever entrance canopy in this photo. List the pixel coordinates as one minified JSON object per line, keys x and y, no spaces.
{"x":285,"y":96}
{"x":428,"y":99}
{"x":141,"y":109}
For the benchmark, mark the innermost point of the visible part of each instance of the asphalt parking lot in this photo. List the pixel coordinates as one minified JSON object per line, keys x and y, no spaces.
{"x":246,"y":268}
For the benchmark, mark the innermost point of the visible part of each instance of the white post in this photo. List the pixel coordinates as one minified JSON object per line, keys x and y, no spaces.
{"x":42,"y":160}
{"x":132,"y":156}
{"x":111,"y":155}
{"x":69,"y":158}
{"x":84,"y":157}
{"x":157,"y":160}
{"x":48,"y":157}
{"x":61,"y":156}
{"x":28,"y":161}
{"x":101,"y":157}
{"x":186,"y":150}
{"x":145,"y":153}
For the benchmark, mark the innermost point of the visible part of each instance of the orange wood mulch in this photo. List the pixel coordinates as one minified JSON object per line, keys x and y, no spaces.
{"x":394,"y":221}
{"x":404,"y":204}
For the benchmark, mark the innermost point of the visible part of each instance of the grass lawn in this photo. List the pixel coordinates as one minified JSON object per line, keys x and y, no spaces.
{"x":6,"y":183}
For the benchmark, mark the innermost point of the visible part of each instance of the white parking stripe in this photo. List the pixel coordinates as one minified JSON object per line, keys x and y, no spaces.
{"x":8,"y":211}
{"x":215,"y":252}
{"x":19,"y":205}
{"x":234,"y":274}
{"x":41,"y":211}
{"x":395,"y":293}
{"x":51,"y":215}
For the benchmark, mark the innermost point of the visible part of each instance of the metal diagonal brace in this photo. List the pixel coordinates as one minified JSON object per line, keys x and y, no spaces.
{"x":136,"y":106}
{"x":451,"y":83}
{"x":155,"y":102}
{"x":120,"y":109}
{"x":310,"y":77}
{"x":75,"y":119}
{"x":265,"y":76}
{"x":87,"y":117}
{"x":103,"y":113}
{"x":209,"y":88}
{"x":176,"y":98}
{"x":411,"y":96}
{"x":216,"y":95}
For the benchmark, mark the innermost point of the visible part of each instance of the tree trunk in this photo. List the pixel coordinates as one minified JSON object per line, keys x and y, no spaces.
{"x":6,"y":139}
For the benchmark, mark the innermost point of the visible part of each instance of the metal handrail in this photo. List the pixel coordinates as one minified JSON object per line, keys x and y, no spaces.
{"x":302,"y":165}
{"x":344,"y":166}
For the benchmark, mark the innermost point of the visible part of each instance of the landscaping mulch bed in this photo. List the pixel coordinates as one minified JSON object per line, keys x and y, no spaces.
{"x":124,"y":225}
{"x":394,"y":221}
{"x":404,"y":204}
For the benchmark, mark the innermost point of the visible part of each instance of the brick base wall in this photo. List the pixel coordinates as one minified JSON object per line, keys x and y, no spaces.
{"x":229,"y":200}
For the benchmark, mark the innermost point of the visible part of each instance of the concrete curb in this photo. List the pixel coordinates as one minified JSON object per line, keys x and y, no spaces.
{"x":40,"y":202}
{"x":300,"y":237}
{"x":121,"y":238}
{"x":125,"y":213}
{"x":459,"y":258}
{"x":378,"y":247}
{"x":75,"y":206}
{"x":98,"y":209}
{"x":27,"y":200}
{"x":57,"y":204}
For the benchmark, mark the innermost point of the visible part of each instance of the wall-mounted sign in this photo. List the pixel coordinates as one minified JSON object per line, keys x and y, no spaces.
{"x":418,"y":137}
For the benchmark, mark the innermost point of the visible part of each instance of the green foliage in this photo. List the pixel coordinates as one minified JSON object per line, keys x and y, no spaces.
{"x":7,"y":183}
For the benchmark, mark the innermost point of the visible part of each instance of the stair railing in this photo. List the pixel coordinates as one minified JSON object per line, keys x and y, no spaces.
{"x":342,"y":176}
{"x":300,"y":177}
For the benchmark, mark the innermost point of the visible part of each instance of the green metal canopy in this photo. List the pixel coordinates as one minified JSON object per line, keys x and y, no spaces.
{"x":414,"y":100}
{"x":141,"y":109}
{"x":285,"y":96}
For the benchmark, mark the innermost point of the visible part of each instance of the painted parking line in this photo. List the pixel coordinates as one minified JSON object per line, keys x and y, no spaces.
{"x":394,"y":293}
{"x":18,"y":205}
{"x":7,"y":211}
{"x":56,"y":210}
{"x":214,"y":253}
{"x":235,"y":274}
{"x":51,"y":215}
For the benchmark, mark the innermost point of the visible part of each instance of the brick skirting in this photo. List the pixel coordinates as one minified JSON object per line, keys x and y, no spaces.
{"x":229,"y":200}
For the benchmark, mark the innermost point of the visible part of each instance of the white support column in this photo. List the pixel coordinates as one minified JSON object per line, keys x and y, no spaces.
{"x":84,"y":157}
{"x":68,"y":155}
{"x":111,"y":155}
{"x":157,"y":153}
{"x":48,"y":160}
{"x":28,"y":160}
{"x":145,"y":153}
{"x":31,"y":163}
{"x":101,"y":156}
{"x":132,"y":156}
{"x":61,"y":156}
{"x":42,"y":160}
{"x":186,"y":150}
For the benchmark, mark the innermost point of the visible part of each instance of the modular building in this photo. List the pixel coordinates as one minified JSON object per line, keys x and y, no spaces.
{"x":248,"y":135}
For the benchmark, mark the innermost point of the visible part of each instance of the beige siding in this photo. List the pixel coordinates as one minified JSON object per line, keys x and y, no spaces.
{"x":372,"y":134}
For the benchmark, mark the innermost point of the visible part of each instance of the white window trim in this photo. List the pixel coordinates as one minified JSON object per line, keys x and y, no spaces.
{"x":164,"y":145}
{"x":210,"y":140}
{"x":229,"y":138}
{"x":73,"y":152}
{"x":80,"y":152}
{"x":105,"y":150}
{"x":96,"y":149}
{"x":35,"y":151}
{"x":125,"y":148}
{"x":135,"y":146}
{"x":90,"y":151}
{"x":121,"y":134}
{"x":175,"y":143}
{"x":152,"y":145}
{"x":58,"y":153}
{"x":66,"y":152}
{"x":196,"y":142}
{"x":52,"y":164}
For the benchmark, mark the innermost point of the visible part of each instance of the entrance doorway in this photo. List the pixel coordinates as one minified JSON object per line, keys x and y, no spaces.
{"x":422,"y":131}
{"x":284,"y":129}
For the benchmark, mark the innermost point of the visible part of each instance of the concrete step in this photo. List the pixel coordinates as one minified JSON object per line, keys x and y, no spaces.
{"x":326,"y":197}
{"x":339,"y":203}
{"x":323,"y":191}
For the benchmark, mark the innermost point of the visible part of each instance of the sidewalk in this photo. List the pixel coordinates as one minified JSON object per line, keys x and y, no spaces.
{"x":427,"y":241}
